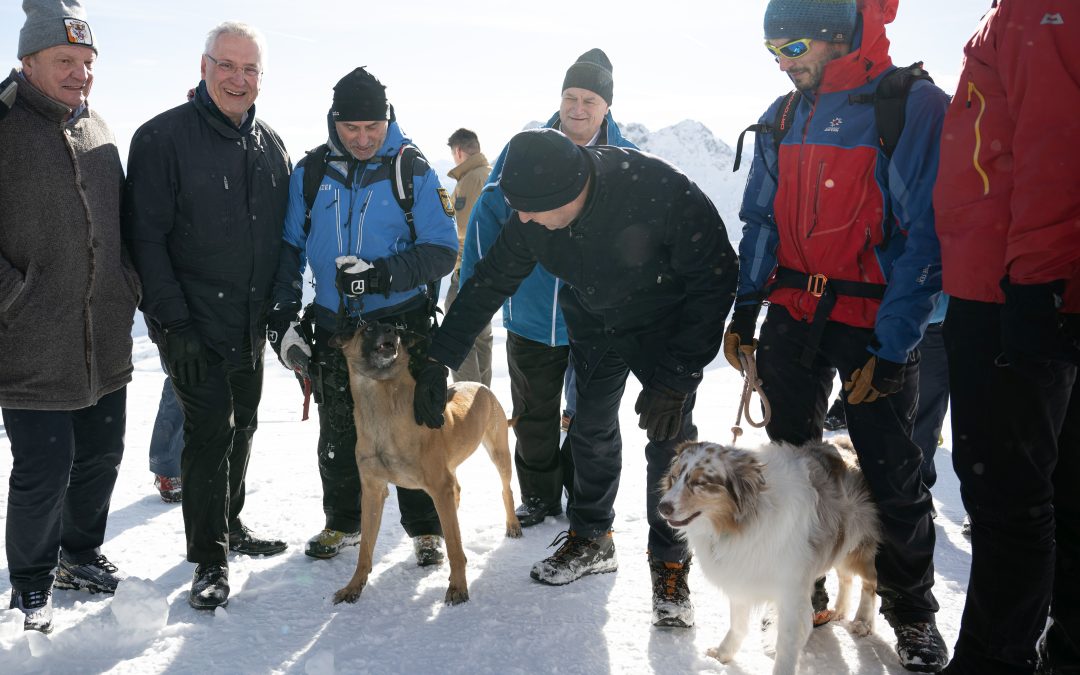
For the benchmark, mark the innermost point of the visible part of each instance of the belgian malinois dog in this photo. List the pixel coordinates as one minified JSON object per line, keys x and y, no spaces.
{"x":392,"y":448}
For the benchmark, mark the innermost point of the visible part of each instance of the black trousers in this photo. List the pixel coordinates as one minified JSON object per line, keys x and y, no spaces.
{"x":337,"y":452}
{"x":596,"y":444}
{"x":933,"y":398}
{"x":64,"y":467}
{"x":537,"y":372}
{"x":881,"y":434}
{"x":1016,"y":450}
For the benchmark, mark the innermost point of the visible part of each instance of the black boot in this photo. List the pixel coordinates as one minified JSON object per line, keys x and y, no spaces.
{"x":210,"y":586}
{"x":533,"y":510}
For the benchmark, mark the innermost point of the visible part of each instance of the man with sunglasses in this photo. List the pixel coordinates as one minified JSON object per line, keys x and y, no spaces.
{"x":204,"y":205}
{"x":839,"y":239}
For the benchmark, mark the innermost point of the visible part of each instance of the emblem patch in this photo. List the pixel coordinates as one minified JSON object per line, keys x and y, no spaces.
{"x":78,"y":32}
{"x":447,"y":205}
{"x":459,"y":203}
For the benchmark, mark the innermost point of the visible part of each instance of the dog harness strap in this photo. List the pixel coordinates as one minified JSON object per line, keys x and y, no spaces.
{"x":826,"y":291}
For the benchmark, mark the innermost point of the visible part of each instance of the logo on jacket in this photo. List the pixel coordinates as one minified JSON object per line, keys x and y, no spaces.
{"x":447,"y":205}
{"x":78,"y":33}
{"x":834,"y":125}
{"x":1052,"y":20}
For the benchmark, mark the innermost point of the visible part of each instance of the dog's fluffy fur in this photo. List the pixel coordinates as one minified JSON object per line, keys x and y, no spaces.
{"x":765,"y":523}
{"x":392,"y":448}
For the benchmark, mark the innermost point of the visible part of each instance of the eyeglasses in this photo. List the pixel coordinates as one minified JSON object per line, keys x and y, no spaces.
{"x":791,"y":50}
{"x":229,"y":68}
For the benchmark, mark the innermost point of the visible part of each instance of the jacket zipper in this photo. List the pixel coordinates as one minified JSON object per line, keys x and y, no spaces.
{"x":817,"y":200}
{"x":972,"y":89}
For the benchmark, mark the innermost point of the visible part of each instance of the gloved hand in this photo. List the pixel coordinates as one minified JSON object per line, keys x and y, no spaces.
{"x":740,"y":334}
{"x":355,"y":277}
{"x":879,"y":377}
{"x":1031,"y":324}
{"x":660,"y":411}
{"x":185,"y":353}
{"x":295,"y":351}
{"x":278,"y":320}
{"x":429,"y":397}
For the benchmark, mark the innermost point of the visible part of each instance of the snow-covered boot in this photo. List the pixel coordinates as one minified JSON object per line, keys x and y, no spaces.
{"x":329,"y":543}
{"x":671,"y":606}
{"x":169,"y":487}
{"x":210,"y":586}
{"x":97,"y":576}
{"x":836,"y":418}
{"x":428,"y":550}
{"x":575,"y":558}
{"x":920,"y":647}
{"x":37,"y":608}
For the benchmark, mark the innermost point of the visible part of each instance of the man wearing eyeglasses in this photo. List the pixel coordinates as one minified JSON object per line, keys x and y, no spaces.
{"x":204,"y":205}
{"x":839,"y":238}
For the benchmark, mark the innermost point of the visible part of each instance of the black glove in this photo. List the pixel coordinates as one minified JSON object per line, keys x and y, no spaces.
{"x":185,"y":353}
{"x":356,"y":277}
{"x":429,"y":398}
{"x":740,"y":334}
{"x":7,"y":96}
{"x":877,"y":378}
{"x":278,"y":319}
{"x":660,"y":411}
{"x":1032,"y":326}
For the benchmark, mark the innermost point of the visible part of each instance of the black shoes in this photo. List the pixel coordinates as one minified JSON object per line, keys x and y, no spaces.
{"x":36,"y":607}
{"x":533,"y":510}
{"x":577,"y":557}
{"x":836,"y":418}
{"x":428,"y":549}
{"x":671,"y":606}
{"x":97,"y":576}
{"x":244,"y":541}
{"x":210,"y":586}
{"x":920,"y":647}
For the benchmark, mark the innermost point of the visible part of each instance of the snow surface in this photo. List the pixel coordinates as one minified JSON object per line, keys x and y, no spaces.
{"x":280,"y":618}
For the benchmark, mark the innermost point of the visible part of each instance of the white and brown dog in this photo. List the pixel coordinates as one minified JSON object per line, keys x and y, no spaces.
{"x":392,"y":448}
{"x":765,"y":523}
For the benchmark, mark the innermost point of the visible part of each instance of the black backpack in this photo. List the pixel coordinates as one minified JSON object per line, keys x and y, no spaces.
{"x":889,"y":100}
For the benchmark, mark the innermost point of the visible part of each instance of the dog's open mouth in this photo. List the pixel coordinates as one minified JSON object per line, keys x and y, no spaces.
{"x":682,"y":523}
{"x":383,"y":356}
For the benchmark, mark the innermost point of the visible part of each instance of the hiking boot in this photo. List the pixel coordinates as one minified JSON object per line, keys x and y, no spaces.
{"x":565,"y":421}
{"x":819,"y":602}
{"x":36,"y":607}
{"x":965,"y":527}
{"x":533,"y":510}
{"x":97,"y":576}
{"x":169,"y":488}
{"x":920,"y":647}
{"x":244,"y":541}
{"x":428,"y":550}
{"x":836,"y":418}
{"x":329,"y":543}
{"x":210,"y":586}
{"x":671,"y":606}
{"x":576,"y":557}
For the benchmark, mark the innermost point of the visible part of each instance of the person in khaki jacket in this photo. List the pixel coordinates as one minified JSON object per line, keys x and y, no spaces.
{"x":470,"y":173}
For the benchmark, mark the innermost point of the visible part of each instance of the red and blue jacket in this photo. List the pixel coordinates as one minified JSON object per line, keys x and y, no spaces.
{"x":828,"y":201}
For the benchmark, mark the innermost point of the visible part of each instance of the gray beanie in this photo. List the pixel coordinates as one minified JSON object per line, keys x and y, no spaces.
{"x":54,"y":22}
{"x":591,"y":71}
{"x":825,"y":20}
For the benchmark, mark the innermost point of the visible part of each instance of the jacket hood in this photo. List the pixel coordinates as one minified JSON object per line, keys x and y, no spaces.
{"x":869,"y":56}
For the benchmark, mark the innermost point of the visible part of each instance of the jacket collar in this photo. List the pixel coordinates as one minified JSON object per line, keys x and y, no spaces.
{"x":43,"y":105}
{"x":474,"y":162}
{"x":217,"y":120}
{"x":869,"y":56}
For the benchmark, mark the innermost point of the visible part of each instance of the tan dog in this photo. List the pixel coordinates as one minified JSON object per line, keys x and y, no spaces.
{"x":392,"y":448}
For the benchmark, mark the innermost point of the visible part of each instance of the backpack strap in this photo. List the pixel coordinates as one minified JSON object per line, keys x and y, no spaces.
{"x":314,"y":164}
{"x":403,"y":176}
{"x":890,"y":103}
{"x":778,"y":129}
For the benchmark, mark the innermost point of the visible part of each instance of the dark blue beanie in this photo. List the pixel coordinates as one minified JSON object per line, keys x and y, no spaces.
{"x":826,"y":20}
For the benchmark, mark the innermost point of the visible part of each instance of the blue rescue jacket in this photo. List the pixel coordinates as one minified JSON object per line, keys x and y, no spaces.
{"x":533,"y":311}
{"x":361,"y":217}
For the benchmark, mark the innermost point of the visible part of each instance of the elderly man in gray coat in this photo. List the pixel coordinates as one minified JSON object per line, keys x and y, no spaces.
{"x":67,"y":301}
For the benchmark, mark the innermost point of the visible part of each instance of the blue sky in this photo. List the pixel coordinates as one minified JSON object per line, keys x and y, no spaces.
{"x":489,"y":65}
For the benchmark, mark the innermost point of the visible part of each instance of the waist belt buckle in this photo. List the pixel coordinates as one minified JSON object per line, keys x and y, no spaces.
{"x":815,"y":284}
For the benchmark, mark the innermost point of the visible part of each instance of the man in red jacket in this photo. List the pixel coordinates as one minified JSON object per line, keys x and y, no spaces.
{"x":1008,"y":217}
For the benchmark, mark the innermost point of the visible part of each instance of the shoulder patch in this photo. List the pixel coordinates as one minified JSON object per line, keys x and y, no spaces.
{"x":78,"y":32}
{"x":459,"y":203}
{"x":447,"y":205}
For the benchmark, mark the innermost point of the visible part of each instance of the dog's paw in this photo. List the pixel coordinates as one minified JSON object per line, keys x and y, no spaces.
{"x":456,"y":596}
{"x":861,"y":628}
{"x":513,"y":530}
{"x":348,"y":594}
{"x":720,"y":654}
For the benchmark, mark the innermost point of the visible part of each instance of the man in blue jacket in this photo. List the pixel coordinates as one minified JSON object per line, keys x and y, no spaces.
{"x":537,"y":347}
{"x":368,"y":264}
{"x":839,"y":239}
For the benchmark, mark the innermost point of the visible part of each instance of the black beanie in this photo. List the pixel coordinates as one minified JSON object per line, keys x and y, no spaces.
{"x":591,"y":71}
{"x":543,"y":170}
{"x":359,"y":97}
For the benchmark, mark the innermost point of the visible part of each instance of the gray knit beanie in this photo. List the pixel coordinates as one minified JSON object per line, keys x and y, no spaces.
{"x":591,"y":71}
{"x":54,"y":22}
{"x":826,"y":20}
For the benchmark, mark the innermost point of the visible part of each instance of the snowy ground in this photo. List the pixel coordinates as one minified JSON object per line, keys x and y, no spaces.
{"x":280,"y":618}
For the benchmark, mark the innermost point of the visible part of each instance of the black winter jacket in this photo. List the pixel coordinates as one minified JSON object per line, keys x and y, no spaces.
{"x":649,"y":268}
{"x":204,"y":207}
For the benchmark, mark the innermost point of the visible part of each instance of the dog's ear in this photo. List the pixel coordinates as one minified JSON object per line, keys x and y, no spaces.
{"x":745,"y":481}
{"x":340,"y":339}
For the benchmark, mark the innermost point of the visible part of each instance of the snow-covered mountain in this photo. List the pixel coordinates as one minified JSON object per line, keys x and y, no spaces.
{"x":707,"y":160}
